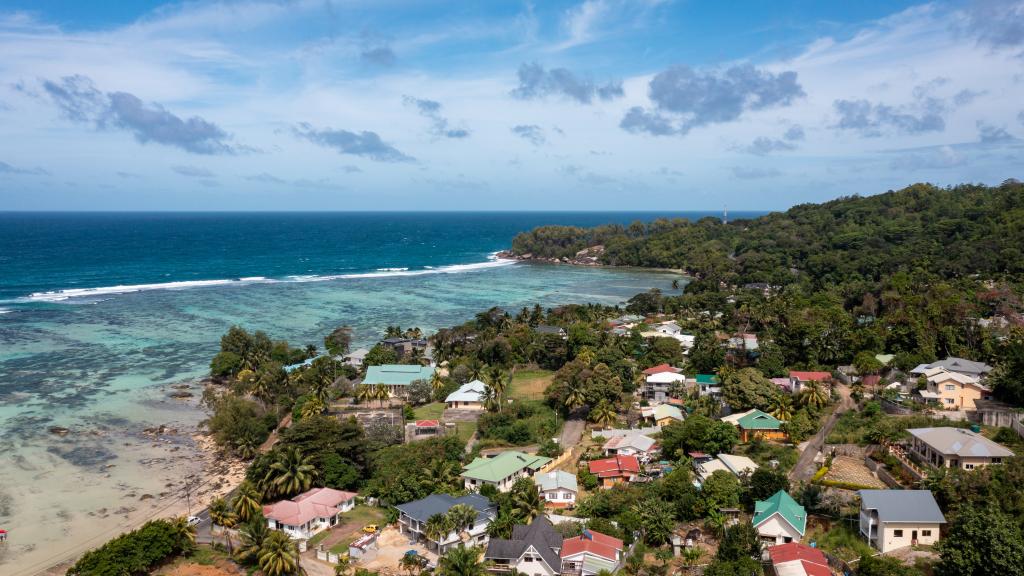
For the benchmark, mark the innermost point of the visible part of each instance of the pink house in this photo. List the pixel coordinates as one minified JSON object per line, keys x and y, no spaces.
{"x":309,"y":512}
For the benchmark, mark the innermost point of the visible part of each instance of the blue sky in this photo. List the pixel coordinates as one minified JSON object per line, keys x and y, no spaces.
{"x":591,"y":104}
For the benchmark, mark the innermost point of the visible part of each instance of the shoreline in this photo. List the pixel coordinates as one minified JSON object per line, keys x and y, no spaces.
{"x":588,"y":258}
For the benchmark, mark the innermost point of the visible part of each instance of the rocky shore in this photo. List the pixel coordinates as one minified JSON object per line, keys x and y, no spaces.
{"x":587,"y":257}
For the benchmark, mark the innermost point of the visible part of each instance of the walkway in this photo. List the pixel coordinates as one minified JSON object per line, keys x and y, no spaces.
{"x":803,"y":470}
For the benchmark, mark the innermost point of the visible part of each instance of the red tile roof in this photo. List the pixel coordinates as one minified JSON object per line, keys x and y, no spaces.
{"x":428,"y":423}
{"x":808,"y":376}
{"x":615,"y":466}
{"x":812,"y":560}
{"x":661,"y":368}
{"x":316,"y":503}
{"x":598,"y":544}
{"x":871,"y":380}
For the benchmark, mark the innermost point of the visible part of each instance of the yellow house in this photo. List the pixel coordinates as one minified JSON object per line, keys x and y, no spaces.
{"x":953,"y":390}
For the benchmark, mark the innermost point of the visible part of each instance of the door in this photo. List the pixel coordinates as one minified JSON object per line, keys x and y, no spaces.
{"x":913,"y":537}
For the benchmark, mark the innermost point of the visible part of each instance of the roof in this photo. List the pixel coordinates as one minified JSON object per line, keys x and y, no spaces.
{"x":397,"y":374}
{"x":810,"y":376}
{"x":424,"y":508}
{"x":428,"y":423}
{"x":549,"y":329}
{"x":758,"y":420}
{"x":707,"y":379}
{"x":665,"y":378}
{"x":781,"y":503}
{"x":737,"y":464}
{"x":503,"y":465}
{"x":556,"y":480}
{"x":960,"y":442}
{"x":903,"y":505}
{"x":885,"y":359}
{"x":796,"y":559}
{"x":593,"y":543}
{"x":938,"y":375}
{"x":315,"y":503}
{"x":662,"y":368}
{"x":954,"y":364}
{"x":472,"y":391}
{"x":540,"y":534}
{"x":663,"y":411}
{"x":636,"y":441}
{"x":735,"y":418}
{"x":783,"y":383}
{"x":614,"y":466}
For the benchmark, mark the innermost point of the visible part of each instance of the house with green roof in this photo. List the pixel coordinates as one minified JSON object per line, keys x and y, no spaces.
{"x":779,"y":519}
{"x":707,"y":384}
{"x":758,"y":424}
{"x":397,"y":377}
{"x":502,"y":470}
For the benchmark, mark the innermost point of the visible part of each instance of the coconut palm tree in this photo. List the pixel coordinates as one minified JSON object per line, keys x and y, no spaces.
{"x":574,"y":398}
{"x":364,"y":393}
{"x":526,"y":502}
{"x":290,"y":473}
{"x":183,"y":532}
{"x":441,"y":475}
{"x":499,"y":380}
{"x":252,"y":533}
{"x":501,"y":526}
{"x":586,"y":355}
{"x":813,"y":395}
{"x":343,"y":566}
{"x":436,"y":381}
{"x":410,"y":563}
{"x":222,"y":515}
{"x":261,"y":390}
{"x":247,"y":502}
{"x":716,"y":522}
{"x":313,"y":407}
{"x":461,"y":561}
{"x":437,"y":528}
{"x":604,"y":413}
{"x":462,"y":517}
{"x":490,"y":399}
{"x":381,"y":393}
{"x":476,"y":368}
{"x":278,"y":555}
{"x":781,"y":407}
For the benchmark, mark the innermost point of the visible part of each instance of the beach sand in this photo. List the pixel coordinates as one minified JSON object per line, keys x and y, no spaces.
{"x":64,"y":494}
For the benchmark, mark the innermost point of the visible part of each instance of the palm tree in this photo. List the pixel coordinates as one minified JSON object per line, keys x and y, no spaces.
{"x":441,"y":475}
{"x":247,"y":502}
{"x":692,"y":555}
{"x":310,"y":350}
{"x":246,"y":448}
{"x":183,"y":532}
{"x":290,"y":473}
{"x":490,"y":399}
{"x":278,"y":555}
{"x":476,"y":368}
{"x":604,"y":413}
{"x":261,"y":390}
{"x":381,"y":393}
{"x":364,"y":393}
{"x":499,"y":380}
{"x":574,"y":398}
{"x":781,"y":407}
{"x":437,"y":528}
{"x":716,"y":522}
{"x":343,"y":565}
{"x":313,"y":407}
{"x":526,"y":503}
{"x":461,"y":517}
{"x":461,"y":561}
{"x":222,"y":515}
{"x":501,"y":526}
{"x":393,"y":332}
{"x":813,"y":395}
{"x":253,"y":533}
{"x":436,"y":382}
{"x":410,"y":563}
{"x":586,"y":355}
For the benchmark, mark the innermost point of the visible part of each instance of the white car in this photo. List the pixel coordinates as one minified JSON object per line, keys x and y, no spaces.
{"x":194,"y":520}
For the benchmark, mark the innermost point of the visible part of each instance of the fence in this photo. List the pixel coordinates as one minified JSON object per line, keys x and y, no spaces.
{"x":890,"y":407}
{"x":570,"y":454}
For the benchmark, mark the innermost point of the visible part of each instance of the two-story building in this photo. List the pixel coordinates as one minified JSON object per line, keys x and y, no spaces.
{"x":953,"y":364}
{"x":502,"y":470}
{"x":891,"y":519}
{"x":311,"y":512}
{"x":947,"y":447}
{"x":532,"y":550}
{"x":558,"y":489}
{"x":413,"y":516}
{"x":953,"y":390}
{"x":658,"y":381}
{"x":779,"y":519}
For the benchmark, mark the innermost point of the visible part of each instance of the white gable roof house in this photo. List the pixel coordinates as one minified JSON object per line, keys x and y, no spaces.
{"x":469,"y":396}
{"x":731,"y":463}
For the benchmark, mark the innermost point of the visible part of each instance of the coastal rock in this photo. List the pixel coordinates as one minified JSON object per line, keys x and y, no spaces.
{"x":59,"y":431}
{"x":181,"y":394}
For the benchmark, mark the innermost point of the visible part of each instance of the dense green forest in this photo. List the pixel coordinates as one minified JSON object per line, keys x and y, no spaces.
{"x":967,"y":229}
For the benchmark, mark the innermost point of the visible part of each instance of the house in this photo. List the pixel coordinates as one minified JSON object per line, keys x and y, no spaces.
{"x":590,"y":553}
{"x":953,"y":364}
{"x":656,"y":387}
{"x":784,"y":384}
{"x":662,"y":414}
{"x":469,"y":396}
{"x":397,"y":377}
{"x":308,"y":513}
{"x":756,"y":424}
{"x":643,"y":447}
{"x":551,"y":331}
{"x":954,"y":390}
{"x":413,"y":516}
{"x":356,"y":357}
{"x":779,"y":519}
{"x":798,"y":380}
{"x":615,"y":469}
{"x":707,"y":384}
{"x":945,"y":447}
{"x":891,"y":519}
{"x":424,"y":429}
{"x":796,"y":559}
{"x":731,"y":463}
{"x":558,"y":489}
{"x":532,"y":550}
{"x":405,"y":347}
{"x":502,"y":470}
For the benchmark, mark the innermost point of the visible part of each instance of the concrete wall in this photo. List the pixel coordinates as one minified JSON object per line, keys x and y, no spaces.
{"x":888,"y":540}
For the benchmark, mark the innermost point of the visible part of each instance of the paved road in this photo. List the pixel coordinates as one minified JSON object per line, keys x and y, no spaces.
{"x":571,"y":433}
{"x":804,"y":469}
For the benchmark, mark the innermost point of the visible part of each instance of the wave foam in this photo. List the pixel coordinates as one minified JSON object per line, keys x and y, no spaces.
{"x":64,"y":295}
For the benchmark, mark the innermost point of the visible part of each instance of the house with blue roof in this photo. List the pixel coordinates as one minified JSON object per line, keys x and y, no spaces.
{"x":397,"y":377}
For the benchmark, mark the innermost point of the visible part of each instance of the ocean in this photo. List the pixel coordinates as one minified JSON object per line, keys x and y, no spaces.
{"x":101,"y":313}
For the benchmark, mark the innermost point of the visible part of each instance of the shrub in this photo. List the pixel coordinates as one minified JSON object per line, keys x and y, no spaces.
{"x":135,"y":552}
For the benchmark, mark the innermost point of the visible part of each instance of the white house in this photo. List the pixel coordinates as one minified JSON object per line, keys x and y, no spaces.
{"x":557,"y":488}
{"x":532,"y":550}
{"x":779,"y":519}
{"x":309,"y":512}
{"x":643,"y":447}
{"x":469,"y":396}
{"x":731,"y":463}
{"x":413,"y":516}
{"x":891,"y":519}
{"x":502,"y":470}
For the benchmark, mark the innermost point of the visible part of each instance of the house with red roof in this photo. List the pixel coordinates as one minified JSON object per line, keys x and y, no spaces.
{"x":310,"y":512}
{"x":590,"y":553}
{"x":618,"y":468}
{"x":799,"y":379}
{"x":796,"y":559}
{"x":660,"y":368}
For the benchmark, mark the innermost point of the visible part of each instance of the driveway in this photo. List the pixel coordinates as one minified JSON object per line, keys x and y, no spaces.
{"x":572,"y":432}
{"x":803,"y":470}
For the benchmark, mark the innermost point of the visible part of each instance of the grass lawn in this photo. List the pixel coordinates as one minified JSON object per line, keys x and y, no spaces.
{"x":353,"y":524}
{"x":466,"y":430}
{"x":841,"y":541}
{"x":530,"y":384}
{"x":317,"y":539}
{"x":430,"y":411}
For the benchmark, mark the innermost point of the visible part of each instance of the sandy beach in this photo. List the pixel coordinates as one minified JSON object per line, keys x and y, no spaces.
{"x":99,"y":499}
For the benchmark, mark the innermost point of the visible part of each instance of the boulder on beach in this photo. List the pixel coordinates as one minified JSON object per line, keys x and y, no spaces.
{"x":60,"y":431}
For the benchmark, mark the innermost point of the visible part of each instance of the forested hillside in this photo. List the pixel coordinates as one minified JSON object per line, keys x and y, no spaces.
{"x":969,"y":229}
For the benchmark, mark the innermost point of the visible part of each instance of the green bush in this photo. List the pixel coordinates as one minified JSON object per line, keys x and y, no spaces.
{"x":135,"y":552}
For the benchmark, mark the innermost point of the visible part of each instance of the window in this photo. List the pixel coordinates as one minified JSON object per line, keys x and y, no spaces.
{"x":897,"y":533}
{"x":926,"y":533}
{"x":997,"y":460}
{"x":949,"y":400}
{"x":969,"y":466}
{"x":950,"y":387}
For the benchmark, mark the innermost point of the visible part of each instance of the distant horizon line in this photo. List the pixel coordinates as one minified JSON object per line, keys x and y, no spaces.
{"x":454,"y":211}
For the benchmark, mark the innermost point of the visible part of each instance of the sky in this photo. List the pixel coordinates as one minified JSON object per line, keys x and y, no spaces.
{"x":493,"y":105}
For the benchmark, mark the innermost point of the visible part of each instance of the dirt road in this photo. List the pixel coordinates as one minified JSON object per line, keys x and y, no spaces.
{"x":804,"y":469}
